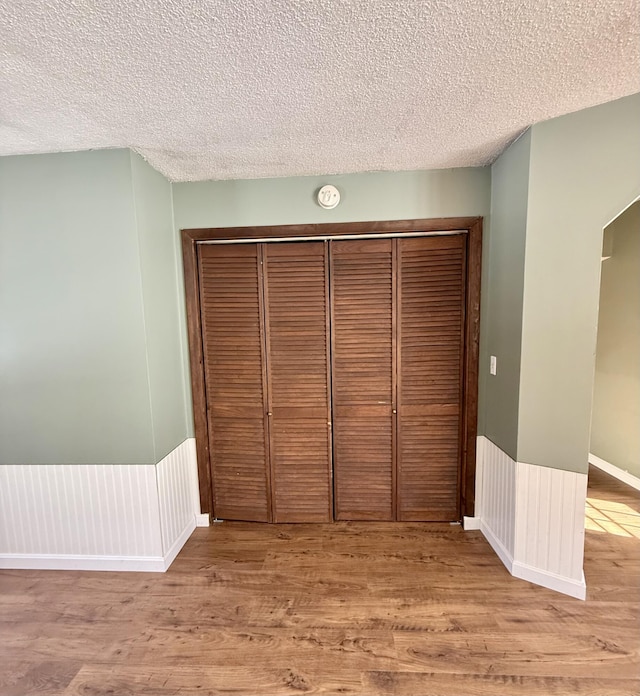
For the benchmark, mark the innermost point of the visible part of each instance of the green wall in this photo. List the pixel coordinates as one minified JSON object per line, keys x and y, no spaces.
{"x":90,"y":362}
{"x":369,"y":196}
{"x":162,"y":312}
{"x":74,"y":377}
{"x":615,"y":419}
{"x":159,"y":260}
{"x":583,"y":172}
{"x":503,"y":292}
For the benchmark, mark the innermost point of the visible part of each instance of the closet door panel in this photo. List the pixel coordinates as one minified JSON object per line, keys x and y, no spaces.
{"x":362,"y":283}
{"x":430,"y":370}
{"x":296,"y":298}
{"x":233,"y":356}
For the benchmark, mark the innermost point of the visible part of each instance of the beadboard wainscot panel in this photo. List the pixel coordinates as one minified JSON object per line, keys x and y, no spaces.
{"x":99,"y":517}
{"x":549,"y":532}
{"x":80,"y":516}
{"x":178,"y":497}
{"x":533,"y":517}
{"x":497,"y":500}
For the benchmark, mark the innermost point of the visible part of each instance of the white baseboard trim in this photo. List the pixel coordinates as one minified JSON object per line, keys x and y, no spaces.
{"x":143,"y":564}
{"x":178,"y":544}
{"x":615,"y":471}
{"x":469,"y":523}
{"x":202,"y":519}
{"x":139,"y":564}
{"x":497,"y":546}
{"x":551,"y":581}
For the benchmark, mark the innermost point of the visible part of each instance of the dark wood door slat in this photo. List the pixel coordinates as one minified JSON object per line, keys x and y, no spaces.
{"x":296,"y":315}
{"x":232,"y":350}
{"x":431,"y":304}
{"x":362,"y":284}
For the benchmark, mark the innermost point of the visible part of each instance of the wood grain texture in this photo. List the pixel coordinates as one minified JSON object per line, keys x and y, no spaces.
{"x":332,"y":229}
{"x":231,"y":305}
{"x":471,"y":368}
{"x":296,"y":309}
{"x":431,"y":308}
{"x":363,"y":375}
{"x":367,"y":609}
{"x":196,"y":369}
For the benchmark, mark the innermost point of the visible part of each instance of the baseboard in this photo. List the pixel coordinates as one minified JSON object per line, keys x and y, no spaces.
{"x":148,"y":564}
{"x":551,"y":581}
{"x":469,"y":523}
{"x":178,"y":544}
{"x":136,"y":564}
{"x":497,"y":546}
{"x":615,"y":471}
{"x":202,"y":519}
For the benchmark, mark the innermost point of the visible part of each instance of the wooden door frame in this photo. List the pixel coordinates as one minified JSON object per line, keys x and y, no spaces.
{"x":472,"y":226}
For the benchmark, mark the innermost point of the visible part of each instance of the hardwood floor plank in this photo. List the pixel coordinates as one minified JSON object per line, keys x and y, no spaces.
{"x":48,"y":642}
{"x":45,"y":678}
{"x":452,"y":684}
{"x":366,"y":614}
{"x":557,"y":655}
{"x":140,"y":680}
{"x":263,"y":649}
{"x":573,"y":618}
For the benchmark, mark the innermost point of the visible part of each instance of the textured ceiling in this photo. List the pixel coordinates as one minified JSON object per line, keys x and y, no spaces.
{"x":224,"y":89}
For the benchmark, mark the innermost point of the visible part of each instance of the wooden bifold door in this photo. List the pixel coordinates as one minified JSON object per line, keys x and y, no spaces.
{"x":334,"y":375}
{"x":265,"y":315}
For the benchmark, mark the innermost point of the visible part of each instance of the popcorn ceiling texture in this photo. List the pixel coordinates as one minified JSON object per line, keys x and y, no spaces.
{"x":229,"y":89}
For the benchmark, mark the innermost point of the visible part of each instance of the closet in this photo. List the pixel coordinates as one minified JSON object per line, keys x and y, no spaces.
{"x":334,"y":375}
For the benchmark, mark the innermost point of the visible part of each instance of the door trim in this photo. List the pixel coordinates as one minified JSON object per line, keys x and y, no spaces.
{"x":471,"y":226}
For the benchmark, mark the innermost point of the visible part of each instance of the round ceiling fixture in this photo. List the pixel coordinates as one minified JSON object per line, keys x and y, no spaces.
{"x":328,"y":197}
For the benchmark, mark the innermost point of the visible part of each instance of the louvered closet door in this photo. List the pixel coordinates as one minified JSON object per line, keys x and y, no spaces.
{"x":236,"y":402}
{"x":431,"y":333}
{"x":296,"y":299}
{"x":362,"y":281}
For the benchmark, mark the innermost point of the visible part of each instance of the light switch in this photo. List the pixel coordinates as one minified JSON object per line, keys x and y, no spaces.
{"x":493,"y":367}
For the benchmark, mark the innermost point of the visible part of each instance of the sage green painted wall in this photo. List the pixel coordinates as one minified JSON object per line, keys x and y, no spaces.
{"x":615,"y":419}
{"x":159,"y":284}
{"x":73,"y":368}
{"x":369,"y":196}
{"x":504,"y":291}
{"x":583,"y":171}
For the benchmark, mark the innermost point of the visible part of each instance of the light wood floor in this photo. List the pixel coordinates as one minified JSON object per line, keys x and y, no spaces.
{"x":393,"y":609}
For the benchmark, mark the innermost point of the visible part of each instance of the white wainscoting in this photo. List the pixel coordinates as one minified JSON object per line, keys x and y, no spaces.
{"x":497,"y":506}
{"x":177,"y":477}
{"x":98,"y":517}
{"x":533,"y":517}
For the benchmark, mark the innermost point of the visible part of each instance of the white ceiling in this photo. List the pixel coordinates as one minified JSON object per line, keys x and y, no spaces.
{"x":226,"y":89}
